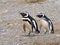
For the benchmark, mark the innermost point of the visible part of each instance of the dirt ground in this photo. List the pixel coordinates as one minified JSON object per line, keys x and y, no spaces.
{"x":11,"y":32}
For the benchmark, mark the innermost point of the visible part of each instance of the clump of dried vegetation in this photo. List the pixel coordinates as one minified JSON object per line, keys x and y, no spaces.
{"x":29,"y":1}
{"x":46,"y":43}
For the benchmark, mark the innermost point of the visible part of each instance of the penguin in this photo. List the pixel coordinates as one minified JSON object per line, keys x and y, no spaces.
{"x":29,"y":22}
{"x":46,"y":23}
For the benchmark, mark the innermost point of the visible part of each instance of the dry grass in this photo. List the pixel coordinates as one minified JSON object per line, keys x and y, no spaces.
{"x":52,"y":43}
{"x":46,"y":42}
{"x":29,"y":1}
{"x":34,"y":1}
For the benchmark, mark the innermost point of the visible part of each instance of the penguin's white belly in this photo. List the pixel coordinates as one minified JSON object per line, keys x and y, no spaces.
{"x":44,"y":24}
{"x":27,"y":25}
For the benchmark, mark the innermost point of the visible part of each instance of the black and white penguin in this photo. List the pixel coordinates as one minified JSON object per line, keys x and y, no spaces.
{"x":46,"y":23}
{"x":30,"y":21}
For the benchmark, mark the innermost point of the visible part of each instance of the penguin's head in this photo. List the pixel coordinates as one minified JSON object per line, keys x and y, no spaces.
{"x":24,"y":14}
{"x":41,"y":15}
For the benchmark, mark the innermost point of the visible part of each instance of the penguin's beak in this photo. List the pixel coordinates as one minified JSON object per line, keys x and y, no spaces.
{"x":37,"y":15}
{"x":23,"y":14}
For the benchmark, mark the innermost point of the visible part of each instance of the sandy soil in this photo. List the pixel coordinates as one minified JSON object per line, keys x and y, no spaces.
{"x":11,"y":32}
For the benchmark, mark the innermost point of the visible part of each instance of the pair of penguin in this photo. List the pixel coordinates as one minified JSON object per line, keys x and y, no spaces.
{"x":32,"y":22}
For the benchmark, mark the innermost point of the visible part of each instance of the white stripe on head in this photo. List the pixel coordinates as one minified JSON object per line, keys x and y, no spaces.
{"x":42,"y":14}
{"x":26,"y":14}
